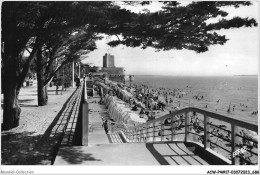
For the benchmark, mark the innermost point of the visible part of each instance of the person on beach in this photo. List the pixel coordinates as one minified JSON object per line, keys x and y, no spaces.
{"x":134,"y":108}
{"x":163,"y":105}
{"x":153,"y":115}
{"x":197,"y":126}
{"x":142,"y":111}
{"x":228,"y":109}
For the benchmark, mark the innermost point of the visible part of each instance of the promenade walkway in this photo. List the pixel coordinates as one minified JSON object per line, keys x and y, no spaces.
{"x":129,"y":154}
{"x":36,"y":140}
{"x":97,"y":113}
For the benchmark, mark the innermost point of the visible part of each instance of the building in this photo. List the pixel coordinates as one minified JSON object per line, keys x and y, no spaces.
{"x":108,"y":60}
{"x":114,"y":73}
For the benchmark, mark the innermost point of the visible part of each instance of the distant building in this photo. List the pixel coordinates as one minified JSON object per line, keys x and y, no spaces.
{"x":114,"y":73}
{"x":108,"y":60}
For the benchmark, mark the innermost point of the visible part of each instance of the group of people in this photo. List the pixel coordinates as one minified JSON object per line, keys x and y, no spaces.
{"x":159,"y":98}
{"x":154,"y":99}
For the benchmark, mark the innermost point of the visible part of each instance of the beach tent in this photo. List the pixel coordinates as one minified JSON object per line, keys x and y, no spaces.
{"x":119,"y":111}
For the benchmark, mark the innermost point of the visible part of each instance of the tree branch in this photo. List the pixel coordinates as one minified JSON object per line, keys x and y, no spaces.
{"x":28,"y":50}
{"x":27,"y":64}
{"x":57,"y":69}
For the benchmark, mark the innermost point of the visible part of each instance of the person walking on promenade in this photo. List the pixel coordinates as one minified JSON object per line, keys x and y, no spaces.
{"x":77,"y":82}
{"x":106,"y":126}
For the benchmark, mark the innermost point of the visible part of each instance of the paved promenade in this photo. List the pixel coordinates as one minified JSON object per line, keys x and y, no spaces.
{"x":35,"y":141}
{"x":129,"y":154}
{"x":97,"y":113}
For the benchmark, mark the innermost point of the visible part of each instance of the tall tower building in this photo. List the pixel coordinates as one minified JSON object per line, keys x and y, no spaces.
{"x":108,"y":60}
{"x":116,"y":74}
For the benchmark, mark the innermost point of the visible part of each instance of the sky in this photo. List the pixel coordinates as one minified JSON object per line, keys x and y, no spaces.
{"x":239,"y":56}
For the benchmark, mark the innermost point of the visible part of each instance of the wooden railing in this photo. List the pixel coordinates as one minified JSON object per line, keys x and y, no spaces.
{"x":177,"y":127}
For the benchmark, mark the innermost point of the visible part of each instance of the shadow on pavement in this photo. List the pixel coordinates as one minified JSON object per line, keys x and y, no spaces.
{"x":75,"y":156}
{"x":174,"y":153}
{"x":26,"y":148}
{"x":18,"y":149}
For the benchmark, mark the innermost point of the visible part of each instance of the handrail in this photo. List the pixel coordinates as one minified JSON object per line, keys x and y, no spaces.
{"x":246,"y":125}
{"x":154,"y":131}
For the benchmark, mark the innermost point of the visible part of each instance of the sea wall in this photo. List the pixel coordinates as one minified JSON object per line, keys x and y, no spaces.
{"x":116,"y":74}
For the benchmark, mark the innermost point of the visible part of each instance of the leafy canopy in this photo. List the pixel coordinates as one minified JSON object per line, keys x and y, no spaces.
{"x":180,"y":27}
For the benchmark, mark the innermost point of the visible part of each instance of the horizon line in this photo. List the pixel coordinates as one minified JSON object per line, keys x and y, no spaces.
{"x":192,"y":75}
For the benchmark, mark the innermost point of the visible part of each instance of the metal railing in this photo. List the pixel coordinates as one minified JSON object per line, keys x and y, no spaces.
{"x":177,"y":127}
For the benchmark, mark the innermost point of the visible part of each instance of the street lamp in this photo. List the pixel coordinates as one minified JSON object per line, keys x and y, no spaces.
{"x":73,"y":74}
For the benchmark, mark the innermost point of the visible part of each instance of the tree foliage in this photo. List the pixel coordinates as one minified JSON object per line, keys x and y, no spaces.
{"x":44,"y":29}
{"x":181,"y":27}
{"x":61,"y":50}
{"x":28,"y":26}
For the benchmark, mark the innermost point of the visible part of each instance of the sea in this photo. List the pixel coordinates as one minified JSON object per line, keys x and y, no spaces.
{"x":219,"y":93}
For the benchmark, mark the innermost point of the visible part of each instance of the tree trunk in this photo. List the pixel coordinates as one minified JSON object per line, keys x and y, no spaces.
{"x":11,"y":89}
{"x":42,"y":94}
{"x":12,"y":109}
{"x":41,"y":85}
{"x":13,"y":75}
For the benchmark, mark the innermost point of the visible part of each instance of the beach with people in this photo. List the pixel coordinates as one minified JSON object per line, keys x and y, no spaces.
{"x":234,"y":97}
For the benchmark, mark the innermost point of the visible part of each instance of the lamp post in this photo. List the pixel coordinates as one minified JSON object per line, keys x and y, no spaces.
{"x":73,"y":74}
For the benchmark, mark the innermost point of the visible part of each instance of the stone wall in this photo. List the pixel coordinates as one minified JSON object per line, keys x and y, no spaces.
{"x":113,"y":70}
{"x":115,"y":73}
